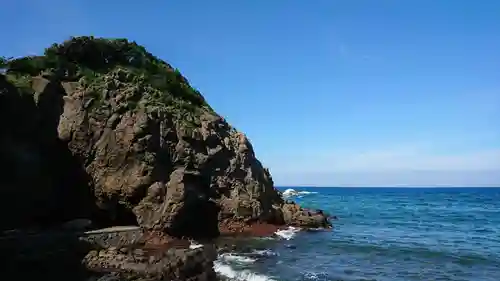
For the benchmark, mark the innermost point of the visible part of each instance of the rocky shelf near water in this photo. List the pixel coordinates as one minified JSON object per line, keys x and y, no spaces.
{"x":103,"y":255}
{"x":100,"y":129}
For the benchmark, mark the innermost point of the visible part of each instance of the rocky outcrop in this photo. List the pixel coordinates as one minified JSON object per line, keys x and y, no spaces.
{"x":173,"y":178}
{"x":102,"y":255}
{"x":100,"y":129}
{"x":170,"y":176}
{"x":149,"y":148}
{"x":293,"y":214}
{"x":134,"y":148}
{"x":171,"y":264}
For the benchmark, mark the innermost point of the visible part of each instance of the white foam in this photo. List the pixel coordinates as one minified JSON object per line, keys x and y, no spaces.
{"x":289,"y":192}
{"x":288,"y":233}
{"x":307,"y":192}
{"x":292,"y":192}
{"x":236,"y":258}
{"x":265,"y":253}
{"x":238,"y":275}
{"x":195,"y":245}
{"x":311,"y":229}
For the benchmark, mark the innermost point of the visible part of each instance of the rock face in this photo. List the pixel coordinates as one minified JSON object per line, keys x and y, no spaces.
{"x":41,"y":182}
{"x":140,"y":145}
{"x":170,"y":177}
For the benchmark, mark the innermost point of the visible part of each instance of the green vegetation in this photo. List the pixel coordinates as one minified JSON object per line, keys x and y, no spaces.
{"x":108,"y":68}
{"x":20,"y":80}
{"x":3,"y":63}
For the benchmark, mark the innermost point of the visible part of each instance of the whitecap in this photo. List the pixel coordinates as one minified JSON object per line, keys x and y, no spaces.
{"x":292,"y":192}
{"x":289,"y":192}
{"x":238,"y":275}
{"x":236,"y":258}
{"x":288,"y":233}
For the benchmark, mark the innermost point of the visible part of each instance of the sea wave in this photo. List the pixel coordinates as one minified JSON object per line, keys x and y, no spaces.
{"x":265,"y":253}
{"x":415,"y":252}
{"x":236,"y":258}
{"x":288,"y":233}
{"x":229,"y":272}
{"x":292,"y":192}
{"x":398,"y":235}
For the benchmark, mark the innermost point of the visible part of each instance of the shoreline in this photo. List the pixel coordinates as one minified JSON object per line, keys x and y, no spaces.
{"x":124,"y":251}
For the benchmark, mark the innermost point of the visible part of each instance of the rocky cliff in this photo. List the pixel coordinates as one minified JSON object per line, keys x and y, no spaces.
{"x":102,"y":129}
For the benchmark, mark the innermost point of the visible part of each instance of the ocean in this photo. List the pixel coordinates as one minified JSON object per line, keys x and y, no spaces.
{"x":382,"y":234}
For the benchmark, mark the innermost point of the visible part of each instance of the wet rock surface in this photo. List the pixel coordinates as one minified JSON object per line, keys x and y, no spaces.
{"x":294,"y":215}
{"x":124,"y":255}
{"x":153,"y":264}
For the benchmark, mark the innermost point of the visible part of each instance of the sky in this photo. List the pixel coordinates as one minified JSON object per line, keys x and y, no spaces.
{"x":330,"y":93}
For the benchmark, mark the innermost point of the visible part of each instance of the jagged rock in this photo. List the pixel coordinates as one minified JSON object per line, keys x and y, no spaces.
{"x":293,"y":214}
{"x":173,"y":264}
{"x":143,"y":144}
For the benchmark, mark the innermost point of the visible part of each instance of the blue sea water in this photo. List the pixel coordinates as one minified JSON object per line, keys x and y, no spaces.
{"x":382,"y":234}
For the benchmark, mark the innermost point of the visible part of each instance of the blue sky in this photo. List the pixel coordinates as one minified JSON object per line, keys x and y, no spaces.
{"x":351,"y":93}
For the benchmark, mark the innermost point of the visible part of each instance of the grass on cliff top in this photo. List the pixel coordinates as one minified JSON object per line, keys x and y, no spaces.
{"x":102,"y":65}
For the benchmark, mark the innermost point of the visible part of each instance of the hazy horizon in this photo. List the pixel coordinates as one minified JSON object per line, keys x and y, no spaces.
{"x":392,"y":179}
{"x":384,"y":187}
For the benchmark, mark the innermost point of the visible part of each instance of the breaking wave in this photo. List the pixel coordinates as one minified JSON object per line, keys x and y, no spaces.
{"x":292,"y":192}
{"x":238,"y":275}
{"x":236,"y":258}
{"x":288,"y":233}
{"x":265,"y":253}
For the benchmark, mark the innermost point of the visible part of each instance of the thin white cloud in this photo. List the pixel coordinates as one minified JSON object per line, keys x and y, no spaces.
{"x":402,"y":165}
{"x":399,"y":157}
{"x":487,"y":178}
{"x":413,"y":158}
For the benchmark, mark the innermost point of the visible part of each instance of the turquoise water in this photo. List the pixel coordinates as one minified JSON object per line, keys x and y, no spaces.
{"x":384,"y":235}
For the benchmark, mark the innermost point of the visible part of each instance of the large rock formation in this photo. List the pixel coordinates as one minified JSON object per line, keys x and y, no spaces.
{"x":116,"y":135}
